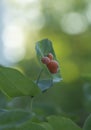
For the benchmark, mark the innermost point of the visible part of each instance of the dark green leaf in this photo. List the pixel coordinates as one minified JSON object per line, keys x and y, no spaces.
{"x":61,"y":123}
{"x":3,"y":100}
{"x":31,"y":126}
{"x":47,"y":126}
{"x":13,"y":83}
{"x":9,"y":128}
{"x":11,"y":118}
{"x":27,"y":126}
{"x":87,"y":124}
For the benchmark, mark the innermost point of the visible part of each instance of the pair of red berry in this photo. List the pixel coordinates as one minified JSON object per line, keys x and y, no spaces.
{"x":51,"y":64}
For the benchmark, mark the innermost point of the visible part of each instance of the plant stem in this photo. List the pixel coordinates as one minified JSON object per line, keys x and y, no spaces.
{"x":32,"y":98}
{"x":31,"y":104}
{"x":39,"y":75}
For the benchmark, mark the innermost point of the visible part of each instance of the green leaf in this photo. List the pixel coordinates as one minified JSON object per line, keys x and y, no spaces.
{"x":13,"y":83}
{"x":47,"y":126}
{"x":10,"y":118}
{"x":27,"y":126}
{"x":31,"y":126}
{"x":43,"y":48}
{"x":3,"y":100}
{"x":61,"y":123}
{"x":9,"y":128}
{"x":87,"y":124}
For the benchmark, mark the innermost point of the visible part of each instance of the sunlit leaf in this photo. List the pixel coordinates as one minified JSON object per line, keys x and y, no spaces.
{"x":13,"y":83}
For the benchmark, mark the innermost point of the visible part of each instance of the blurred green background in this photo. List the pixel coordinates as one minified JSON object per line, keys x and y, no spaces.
{"x":67,"y":23}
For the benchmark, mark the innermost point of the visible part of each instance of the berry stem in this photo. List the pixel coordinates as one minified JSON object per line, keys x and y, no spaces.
{"x":39,"y":75}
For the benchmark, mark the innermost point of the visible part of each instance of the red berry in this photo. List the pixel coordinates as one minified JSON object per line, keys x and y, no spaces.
{"x":50,"y":56}
{"x":53,"y":66}
{"x":45,"y":60}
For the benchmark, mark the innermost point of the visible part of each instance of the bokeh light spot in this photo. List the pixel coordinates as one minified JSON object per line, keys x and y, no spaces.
{"x":13,"y":39}
{"x":24,"y":2}
{"x":73,"y":23}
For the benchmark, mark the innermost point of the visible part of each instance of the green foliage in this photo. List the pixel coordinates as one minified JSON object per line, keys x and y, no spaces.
{"x":87,"y":124}
{"x":32,"y":126}
{"x":65,"y":100}
{"x":58,"y":122}
{"x":47,"y":126}
{"x":10,"y":118}
{"x":14,"y":84}
{"x":26,"y":126}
